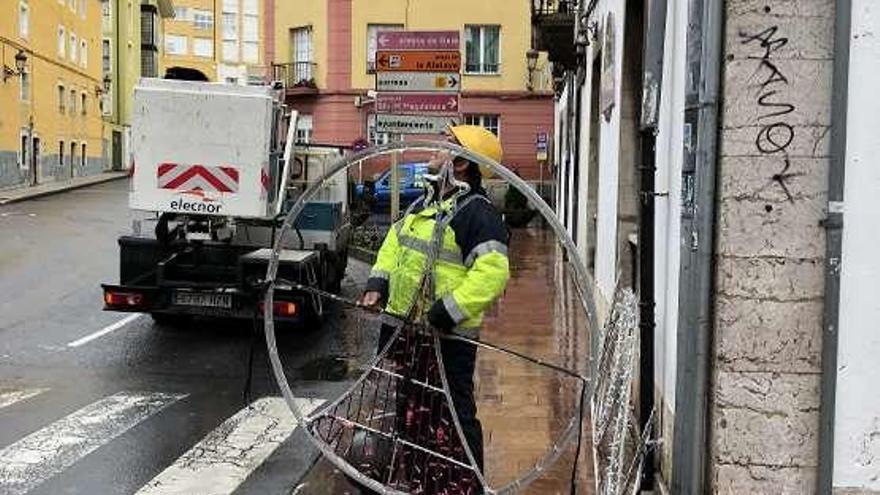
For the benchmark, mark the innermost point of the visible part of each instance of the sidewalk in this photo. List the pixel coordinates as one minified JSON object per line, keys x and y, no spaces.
{"x":524,"y":408}
{"x":14,"y":195}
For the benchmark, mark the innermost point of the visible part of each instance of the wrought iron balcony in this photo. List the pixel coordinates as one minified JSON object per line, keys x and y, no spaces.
{"x":553,"y":24}
{"x":298,"y":77}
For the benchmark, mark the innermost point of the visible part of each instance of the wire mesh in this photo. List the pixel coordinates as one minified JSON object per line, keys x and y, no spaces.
{"x":615,"y":434}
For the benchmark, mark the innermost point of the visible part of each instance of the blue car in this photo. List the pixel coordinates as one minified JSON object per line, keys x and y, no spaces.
{"x":378,"y":194}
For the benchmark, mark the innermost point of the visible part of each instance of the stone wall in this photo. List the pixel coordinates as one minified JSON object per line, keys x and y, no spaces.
{"x":770,"y":246}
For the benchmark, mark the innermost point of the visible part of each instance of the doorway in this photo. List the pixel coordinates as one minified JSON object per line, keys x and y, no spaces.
{"x":116,"y":164}
{"x":593,"y":167}
{"x":35,"y":160}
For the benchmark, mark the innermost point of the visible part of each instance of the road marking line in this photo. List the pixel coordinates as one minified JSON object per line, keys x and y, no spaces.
{"x":222,"y":460}
{"x":9,"y":397}
{"x":104,"y":331}
{"x":46,"y":452}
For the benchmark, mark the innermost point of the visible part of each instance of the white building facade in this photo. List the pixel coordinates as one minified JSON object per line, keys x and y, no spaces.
{"x":756,"y":233}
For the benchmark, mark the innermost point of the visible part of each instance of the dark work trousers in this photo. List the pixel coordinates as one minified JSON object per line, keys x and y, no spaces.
{"x":459,"y":360}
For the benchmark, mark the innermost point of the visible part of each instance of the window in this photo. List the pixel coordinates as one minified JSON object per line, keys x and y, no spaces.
{"x":105,"y":55}
{"x":230,"y":6}
{"x":73,"y":99}
{"x":83,"y":53}
{"x":376,"y":138}
{"x":304,"y":129}
{"x":25,"y":86}
{"x":72,"y":154}
{"x":61,"y":154}
{"x":230,"y":51}
{"x":250,"y":52}
{"x":24,"y":18}
{"x":230,"y":26}
{"x":251,"y":28}
{"x":82,"y":155}
{"x":106,"y":9}
{"x":203,"y":47}
{"x":73,"y":47}
{"x":62,"y":95}
{"x":230,"y":36}
{"x":62,"y":42}
{"x":372,"y":45}
{"x":481,"y":49}
{"x":302,"y":53}
{"x":181,"y":13}
{"x":490,"y":122}
{"x":23,"y":150}
{"x":84,"y":100}
{"x":149,"y":41}
{"x":203,"y":19}
{"x":251,"y":8}
{"x":175,"y":44}
{"x":251,"y":36}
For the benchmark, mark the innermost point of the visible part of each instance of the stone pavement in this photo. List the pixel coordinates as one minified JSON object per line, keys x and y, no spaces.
{"x":30,"y":192}
{"x":523,"y":407}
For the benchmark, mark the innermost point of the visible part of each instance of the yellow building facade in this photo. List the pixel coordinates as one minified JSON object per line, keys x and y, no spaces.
{"x":50,"y":117}
{"x":131,"y":44}
{"x":221,"y":39}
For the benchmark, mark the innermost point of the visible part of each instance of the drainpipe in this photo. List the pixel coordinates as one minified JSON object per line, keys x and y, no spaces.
{"x":652,"y":81}
{"x":834,"y":244}
{"x":695,"y":323}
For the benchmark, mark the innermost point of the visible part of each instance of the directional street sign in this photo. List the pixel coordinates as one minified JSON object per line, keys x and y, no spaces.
{"x":411,"y":61}
{"x":441,"y":82}
{"x":418,"y":40}
{"x":413,"y":124}
{"x":409,"y":103}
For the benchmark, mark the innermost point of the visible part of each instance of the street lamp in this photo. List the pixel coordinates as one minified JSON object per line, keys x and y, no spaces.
{"x":20,"y":65}
{"x":532,"y":64}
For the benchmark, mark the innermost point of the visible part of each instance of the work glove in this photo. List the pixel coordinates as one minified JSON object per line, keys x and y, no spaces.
{"x":439,"y":318}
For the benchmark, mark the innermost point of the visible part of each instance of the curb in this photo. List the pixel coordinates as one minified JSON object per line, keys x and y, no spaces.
{"x":18,"y":195}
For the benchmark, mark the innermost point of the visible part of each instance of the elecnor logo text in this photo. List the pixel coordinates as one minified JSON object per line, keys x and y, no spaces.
{"x":195,"y":207}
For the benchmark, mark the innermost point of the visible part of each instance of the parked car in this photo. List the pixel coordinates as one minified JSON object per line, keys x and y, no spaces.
{"x":377,"y":193}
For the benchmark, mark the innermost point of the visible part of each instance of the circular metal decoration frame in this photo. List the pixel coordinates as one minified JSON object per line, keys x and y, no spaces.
{"x":583,"y":283}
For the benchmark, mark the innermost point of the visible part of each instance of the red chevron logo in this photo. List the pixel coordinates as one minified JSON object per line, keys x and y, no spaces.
{"x":180,"y":177}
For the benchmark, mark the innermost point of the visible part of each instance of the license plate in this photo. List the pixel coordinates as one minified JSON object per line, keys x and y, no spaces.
{"x":201,"y":299}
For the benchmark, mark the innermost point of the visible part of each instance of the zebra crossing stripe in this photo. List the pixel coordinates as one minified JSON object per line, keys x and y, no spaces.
{"x":221,"y":461}
{"x":9,"y":397}
{"x":46,"y":452}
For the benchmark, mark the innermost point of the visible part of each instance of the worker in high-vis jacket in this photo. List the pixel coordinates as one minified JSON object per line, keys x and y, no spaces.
{"x":470,"y":272}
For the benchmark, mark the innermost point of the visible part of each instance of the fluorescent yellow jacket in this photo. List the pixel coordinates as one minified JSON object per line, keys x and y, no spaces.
{"x":470,"y":272}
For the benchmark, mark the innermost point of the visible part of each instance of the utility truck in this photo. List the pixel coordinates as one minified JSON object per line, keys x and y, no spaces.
{"x":216,"y":169}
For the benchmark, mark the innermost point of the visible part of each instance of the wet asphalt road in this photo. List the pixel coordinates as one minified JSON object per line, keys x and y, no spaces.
{"x":54,"y":253}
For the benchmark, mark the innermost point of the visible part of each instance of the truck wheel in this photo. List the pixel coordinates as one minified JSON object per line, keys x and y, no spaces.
{"x":170,"y":320}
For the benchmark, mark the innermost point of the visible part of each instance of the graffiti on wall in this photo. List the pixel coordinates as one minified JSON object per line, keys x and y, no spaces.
{"x":776,"y":134}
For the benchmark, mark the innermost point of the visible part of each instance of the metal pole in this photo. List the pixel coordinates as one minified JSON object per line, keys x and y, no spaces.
{"x":395,"y":186}
{"x":654,"y":45}
{"x":695,"y":323}
{"x":834,"y":244}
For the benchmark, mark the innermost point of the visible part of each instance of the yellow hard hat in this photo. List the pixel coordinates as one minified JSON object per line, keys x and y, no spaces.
{"x":480,"y":141}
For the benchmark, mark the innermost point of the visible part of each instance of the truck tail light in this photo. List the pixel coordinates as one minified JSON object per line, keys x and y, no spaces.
{"x":282,"y":308}
{"x":124,"y":299}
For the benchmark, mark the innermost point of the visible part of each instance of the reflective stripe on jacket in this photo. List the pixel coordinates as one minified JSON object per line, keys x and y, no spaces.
{"x":471,"y":270}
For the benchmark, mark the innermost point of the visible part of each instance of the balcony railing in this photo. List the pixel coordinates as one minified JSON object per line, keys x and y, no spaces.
{"x":553,"y":22}
{"x":297,"y":76}
{"x":553,"y":7}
